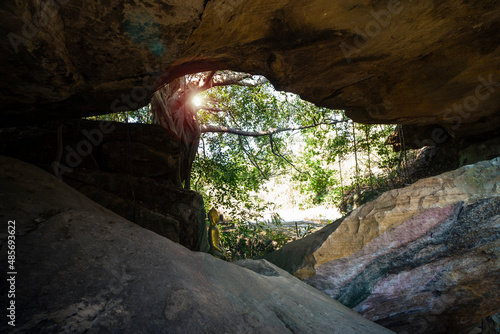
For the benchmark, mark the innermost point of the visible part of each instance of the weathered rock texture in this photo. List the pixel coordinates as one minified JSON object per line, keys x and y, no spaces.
{"x":350,"y":234}
{"x":422,"y":258}
{"x":411,"y":62}
{"x":81,"y":268}
{"x":435,"y":273}
{"x":491,"y":325}
{"x":172,"y":212}
{"x":141,"y":150}
{"x":132,"y":169}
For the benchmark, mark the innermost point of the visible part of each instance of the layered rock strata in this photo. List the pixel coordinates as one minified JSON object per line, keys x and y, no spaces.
{"x":435,"y":273}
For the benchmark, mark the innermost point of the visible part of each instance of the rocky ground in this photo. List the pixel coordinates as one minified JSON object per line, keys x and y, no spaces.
{"x":81,"y":268}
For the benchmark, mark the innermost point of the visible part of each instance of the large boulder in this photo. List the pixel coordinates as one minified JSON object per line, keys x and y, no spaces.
{"x":426,"y":63}
{"x":132,"y":169}
{"x":175,"y":213}
{"x":350,"y":234}
{"x":424,"y":258}
{"x":81,"y":268}
{"x":435,"y":273}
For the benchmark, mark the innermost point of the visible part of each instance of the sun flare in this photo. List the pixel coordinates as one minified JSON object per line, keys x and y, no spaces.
{"x":197,"y":100}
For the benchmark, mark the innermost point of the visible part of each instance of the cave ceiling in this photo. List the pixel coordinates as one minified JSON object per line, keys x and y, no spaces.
{"x":421,"y":63}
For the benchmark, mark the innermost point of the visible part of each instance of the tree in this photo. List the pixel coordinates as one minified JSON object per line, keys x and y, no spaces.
{"x":259,"y":115}
{"x":244,"y":132}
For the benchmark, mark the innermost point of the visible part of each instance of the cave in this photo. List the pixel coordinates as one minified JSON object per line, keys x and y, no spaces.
{"x":102,"y":233}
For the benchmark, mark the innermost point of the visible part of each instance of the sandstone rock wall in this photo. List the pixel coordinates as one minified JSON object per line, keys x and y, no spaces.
{"x":435,"y":273}
{"x":349,"y":235}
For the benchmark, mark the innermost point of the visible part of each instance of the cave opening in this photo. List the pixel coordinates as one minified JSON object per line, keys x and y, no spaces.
{"x":270,"y":162}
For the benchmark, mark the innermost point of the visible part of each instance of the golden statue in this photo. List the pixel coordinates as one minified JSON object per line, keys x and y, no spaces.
{"x":214,"y":236}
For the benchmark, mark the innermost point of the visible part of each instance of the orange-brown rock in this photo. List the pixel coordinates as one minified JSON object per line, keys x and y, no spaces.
{"x":350,"y":234}
{"x":410,"y":62}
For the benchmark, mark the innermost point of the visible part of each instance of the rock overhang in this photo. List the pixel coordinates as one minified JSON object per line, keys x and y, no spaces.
{"x":419,"y":63}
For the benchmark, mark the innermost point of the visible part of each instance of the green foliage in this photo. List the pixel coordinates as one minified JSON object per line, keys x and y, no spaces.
{"x":319,"y":175}
{"x":141,"y":115}
{"x":227,"y":181}
{"x":230,"y":168}
{"x":249,"y":240}
{"x":327,"y":151}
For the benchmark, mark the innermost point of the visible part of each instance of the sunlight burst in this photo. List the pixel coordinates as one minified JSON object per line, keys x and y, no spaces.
{"x":197,"y":100}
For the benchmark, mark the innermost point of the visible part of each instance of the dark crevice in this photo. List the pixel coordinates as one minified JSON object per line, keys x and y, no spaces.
{"x":205,"y":3}
{"x":281,"y":317}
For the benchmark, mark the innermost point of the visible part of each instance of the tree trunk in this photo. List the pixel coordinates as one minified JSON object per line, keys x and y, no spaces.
{"x":341,"y":181}
{"x":355,"y":156}
{"x":367,"y":136}
{"x":178,"y":116}
{"x":340,"y":168}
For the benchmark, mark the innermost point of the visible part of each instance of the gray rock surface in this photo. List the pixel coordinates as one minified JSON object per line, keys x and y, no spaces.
{"x":81,"y":268}
{"x":491,"y":325}
{"x":132,"y":169}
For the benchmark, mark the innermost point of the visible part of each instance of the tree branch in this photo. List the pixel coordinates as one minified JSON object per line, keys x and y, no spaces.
{"x":203,"y":81}
{"x":208,"y":82}
{"x":253,"y":81}
{"x":212,"y":109}
{"x":232,"y":78}
{"x":251,"y":158}
{"x":239,"y":132}
{"x":278,"y":154}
